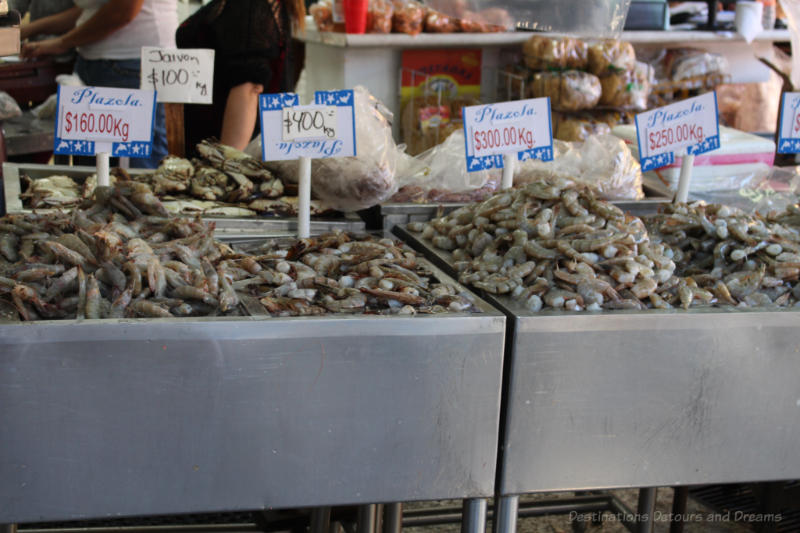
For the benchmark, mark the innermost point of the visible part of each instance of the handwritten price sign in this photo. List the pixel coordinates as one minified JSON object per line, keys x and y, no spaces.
{"x":184,"y":75}
{"x":789,"y":130}
{"x":691,"y":124}
{"x":309,"y":122}
{"x":522,"y":127}
{"x":91,"y":120}
{"x":290,"y":130}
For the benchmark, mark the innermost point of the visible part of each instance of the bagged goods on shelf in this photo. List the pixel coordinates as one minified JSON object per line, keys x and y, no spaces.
{"x":571,"y":90}
{"x":379,"y":16}
{"x":610,"y":56}
{"x":686,"y":63}
{"x":627,"y":89}
{"x":440,"y":175}
{"x":603,"y":161}
{"x":555,"y":53}
{"x":574,"y":129}
{"x":409,"y":17}
{"x":436,"y":22}
{"x":322,"y":13}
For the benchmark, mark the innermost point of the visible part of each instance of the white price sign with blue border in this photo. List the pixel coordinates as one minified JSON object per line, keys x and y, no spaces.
{"x":91,"y":120}
{"x":521,"y":127}
{"x":324,"y":129}
{"x":789,"y":129}
{"x":691,"y":125}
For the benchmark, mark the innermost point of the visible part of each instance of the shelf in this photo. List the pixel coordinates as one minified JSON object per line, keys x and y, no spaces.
{"x":445,"y":40}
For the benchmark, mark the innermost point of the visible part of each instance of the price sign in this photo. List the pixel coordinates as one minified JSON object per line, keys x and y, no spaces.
{"x":692,"y":124}
{"x":522,"y":127}
{"x":789,"y":129}
{"x":309,"y":122}
{"x":290,"y":130}
{"x":92,"y":120}
{"x":182,"y":75}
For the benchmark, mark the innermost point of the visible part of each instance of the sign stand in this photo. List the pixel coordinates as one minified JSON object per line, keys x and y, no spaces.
{"x":304,"y":198}
{"x":509,"y":165}
{"x":689,"y":128}
{"x":290,"y":131}
{"x":498,"y":135}
{"x":685,"y":179}
{"x":102,"y":169}
{"x":104,"y":122}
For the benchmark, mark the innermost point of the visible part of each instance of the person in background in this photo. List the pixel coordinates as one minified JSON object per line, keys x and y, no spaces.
{"x":254,"y":54}
{"x":38,"y":9}
{"x":109,"y":35}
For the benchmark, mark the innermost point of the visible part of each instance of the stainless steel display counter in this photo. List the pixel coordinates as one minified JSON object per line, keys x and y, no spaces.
{"x":643,"y":399}
{"x":235,"y":226}
{"x":151,"y":416}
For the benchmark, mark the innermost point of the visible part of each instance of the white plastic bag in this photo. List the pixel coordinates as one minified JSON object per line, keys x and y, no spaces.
{"x":603,"y":161}
{"x":444,"y":168}
{"x":9,"y":108}
{"x":351,"y":183}
{"x":47,"y":109}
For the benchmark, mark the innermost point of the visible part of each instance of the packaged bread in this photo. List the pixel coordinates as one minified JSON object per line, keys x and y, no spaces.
{"x":379,"y":16}
{"x":408,"y":17}
{"x":436,"y":22}
{"x":627,"y":90}
{"x":575,"y":129}
{"x":550,"y":52}
{"x":611,"y":56}
{"x":571,"y":90}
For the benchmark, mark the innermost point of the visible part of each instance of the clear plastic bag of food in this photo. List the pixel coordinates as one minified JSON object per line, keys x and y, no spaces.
{"x":576,"y":129}
{"x":543,"y":53}
{"x":379,"y":16}
{"x":603,"y":161}
{"x":322,"y":13}
{"x":9,"y":108}
{"x":351,"y":183}
{"x":436,"y":22}
{"x":595,"y":18}
{"x":610,"y":56}
{"x":627,"y":90}
{"x":408,"y":17}
{"x":571,"y":90}
{"x":440,"y":175}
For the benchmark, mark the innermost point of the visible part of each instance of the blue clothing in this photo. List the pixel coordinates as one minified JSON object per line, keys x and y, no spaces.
{"x":124,"y":73}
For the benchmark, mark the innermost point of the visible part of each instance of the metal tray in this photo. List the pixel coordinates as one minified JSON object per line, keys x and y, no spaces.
{"x":163,"y":416}
{"x":638,"y":399}
{"x":401,"y":214}
{"x":244,"y":227}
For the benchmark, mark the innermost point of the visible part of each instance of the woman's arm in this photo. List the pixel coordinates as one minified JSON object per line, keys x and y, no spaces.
{"x":52,"y":25}
{"x":112,"y":16}
{"x":241,"y":112}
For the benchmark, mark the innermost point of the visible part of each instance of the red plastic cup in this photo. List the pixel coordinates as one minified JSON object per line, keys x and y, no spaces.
{"x":355,"y":16}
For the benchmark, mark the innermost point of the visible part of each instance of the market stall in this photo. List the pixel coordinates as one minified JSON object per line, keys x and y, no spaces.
{"x":278,"y":388}
{"x":604,"y":393}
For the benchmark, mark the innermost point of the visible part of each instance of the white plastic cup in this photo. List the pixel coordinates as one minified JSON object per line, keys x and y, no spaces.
{"x":749,"y":19}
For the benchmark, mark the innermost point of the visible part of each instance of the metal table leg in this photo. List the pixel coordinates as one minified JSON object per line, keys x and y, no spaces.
{"x":366,"y":519}
{"x":8,"y":528}
{"x":392,"y":518}
{"x":679,"y":501}
{"x":320,"y":519}
{"x":647,"y":505}
{"x":505,"y":514}
{"x":473,"y":516}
